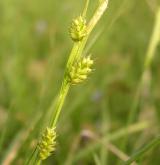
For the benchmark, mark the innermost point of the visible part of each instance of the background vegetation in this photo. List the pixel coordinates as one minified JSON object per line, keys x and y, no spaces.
{"x":34,"y":47}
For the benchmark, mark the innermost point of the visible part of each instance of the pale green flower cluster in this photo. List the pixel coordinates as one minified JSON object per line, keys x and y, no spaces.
{"x":80,"y":70}
{"x":47,"y":143}
{"x":78,"y":29}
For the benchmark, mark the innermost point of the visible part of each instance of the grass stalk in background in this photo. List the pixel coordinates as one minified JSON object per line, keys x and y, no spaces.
{"x":110,"y":137}
{"x":77,"y":70}
{"x":143,"y":150}
{"x":155,"y":38}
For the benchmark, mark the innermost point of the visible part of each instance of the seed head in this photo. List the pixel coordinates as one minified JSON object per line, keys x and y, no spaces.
{"x":80,"y":70}
{"x":78,"y":29}
{"x":47,"y":143}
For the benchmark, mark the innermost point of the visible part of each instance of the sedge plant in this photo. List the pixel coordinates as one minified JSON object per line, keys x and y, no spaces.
{"x":77,"y":69}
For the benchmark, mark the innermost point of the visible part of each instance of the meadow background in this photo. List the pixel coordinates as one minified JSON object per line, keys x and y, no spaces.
{"x":34,"y":47}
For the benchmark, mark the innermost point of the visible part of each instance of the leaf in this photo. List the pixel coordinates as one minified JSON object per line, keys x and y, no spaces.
{"x":143,"y":150}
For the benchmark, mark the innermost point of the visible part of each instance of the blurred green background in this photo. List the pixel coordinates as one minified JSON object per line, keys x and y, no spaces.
{"x":34,"y":47}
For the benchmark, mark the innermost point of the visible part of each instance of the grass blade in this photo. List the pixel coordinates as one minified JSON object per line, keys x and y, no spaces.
{"x":143,"y":150}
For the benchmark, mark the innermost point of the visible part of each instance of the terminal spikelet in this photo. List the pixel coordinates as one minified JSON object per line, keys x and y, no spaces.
{"x":78,"y":29}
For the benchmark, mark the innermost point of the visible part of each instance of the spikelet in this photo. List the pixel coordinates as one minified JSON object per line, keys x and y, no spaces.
{"x":78,"y":29}
{"x":47,"y":143}
{"x":80,"y":70}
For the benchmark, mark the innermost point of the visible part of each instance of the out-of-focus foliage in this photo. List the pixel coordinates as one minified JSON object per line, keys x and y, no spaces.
{"x":34,"y":47}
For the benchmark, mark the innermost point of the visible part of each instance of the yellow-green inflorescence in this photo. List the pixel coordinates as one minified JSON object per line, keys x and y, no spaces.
{"x":47,"y":143}
{"x":80,"y":70}
{"x":77,"y":70}
{"x":78,"y":29}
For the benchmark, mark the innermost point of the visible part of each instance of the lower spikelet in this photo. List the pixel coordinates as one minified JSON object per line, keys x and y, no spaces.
{"x":47,"y":143}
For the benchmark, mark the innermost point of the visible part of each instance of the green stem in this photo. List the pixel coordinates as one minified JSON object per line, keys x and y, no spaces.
{"x":39,"y":162}
{"x":57,"y":107}
{"x":85,"y":8}
{"x":98,"y":14}
{"x":59,"y":103}
{"x":153,"y":42}
{"x":73,"y":54}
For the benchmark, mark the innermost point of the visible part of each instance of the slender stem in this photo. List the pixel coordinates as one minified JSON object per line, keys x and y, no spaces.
{"x":73,"y":54}
{"x":39,"y":162}
{"x":59,"y":103}
{"x":98,"y":14}
{"x":154,"y":41}
{"x":85,"y":8}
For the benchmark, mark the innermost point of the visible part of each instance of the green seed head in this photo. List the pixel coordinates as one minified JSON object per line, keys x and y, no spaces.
{"x":47,"y":143}
{"x":78,"y":29}
{"x":80,"y":70}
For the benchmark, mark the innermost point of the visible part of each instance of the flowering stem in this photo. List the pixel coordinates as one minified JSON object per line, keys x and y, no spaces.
{"x":79,"y":34}
{"x":76,"y":53}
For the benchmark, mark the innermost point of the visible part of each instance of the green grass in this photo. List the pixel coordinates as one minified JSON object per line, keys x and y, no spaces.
{"x":34,"y":48}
